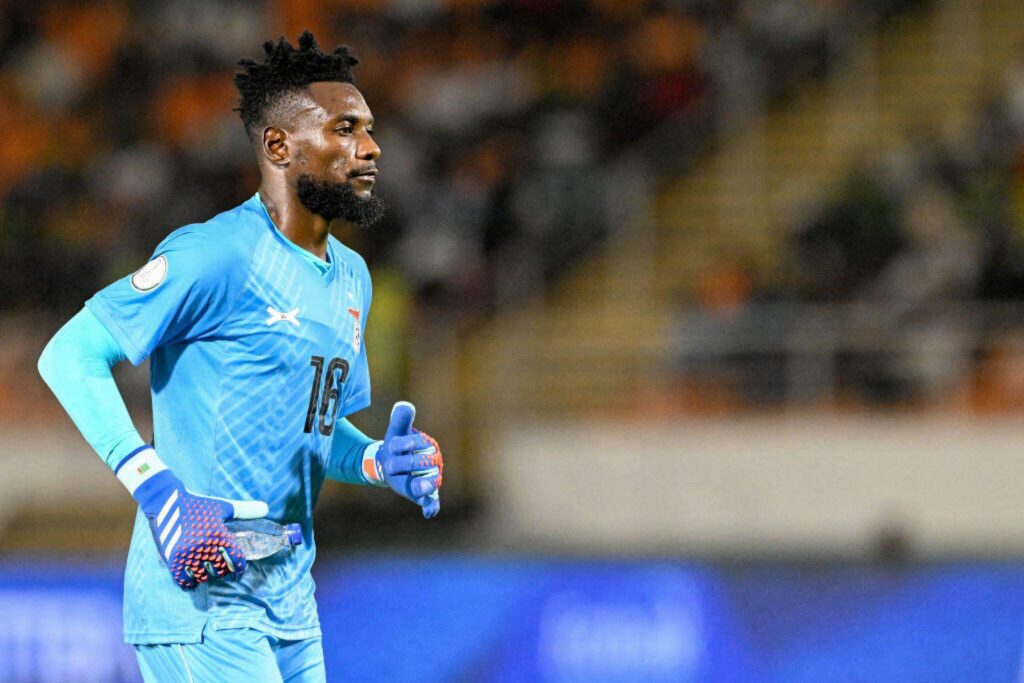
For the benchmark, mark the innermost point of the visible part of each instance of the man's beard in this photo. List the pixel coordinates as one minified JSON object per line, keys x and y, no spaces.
{"x":339,"y":201}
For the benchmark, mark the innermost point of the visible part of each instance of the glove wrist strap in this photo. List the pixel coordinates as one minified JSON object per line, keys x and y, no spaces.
{"x":371,"y":470}
{"x":138,"y":467}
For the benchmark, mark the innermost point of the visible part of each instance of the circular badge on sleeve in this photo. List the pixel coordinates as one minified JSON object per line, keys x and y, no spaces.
{"x":149,"y":276}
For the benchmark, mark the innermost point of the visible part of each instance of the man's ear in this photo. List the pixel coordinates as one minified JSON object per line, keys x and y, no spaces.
{"x":275,"y":146}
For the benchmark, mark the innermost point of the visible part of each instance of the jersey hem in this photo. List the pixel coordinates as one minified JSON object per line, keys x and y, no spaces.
{"x":195,"y":635}
{"x":291,"y":633}
{"x":188,"y":637}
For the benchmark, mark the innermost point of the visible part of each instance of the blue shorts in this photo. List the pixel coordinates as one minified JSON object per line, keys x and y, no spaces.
{"x":234,"y":654}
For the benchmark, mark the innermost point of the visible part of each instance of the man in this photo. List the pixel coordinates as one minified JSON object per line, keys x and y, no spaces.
{"x":253,"y":323}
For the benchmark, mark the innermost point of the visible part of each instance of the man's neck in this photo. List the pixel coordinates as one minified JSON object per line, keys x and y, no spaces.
{"x":302,"y":227}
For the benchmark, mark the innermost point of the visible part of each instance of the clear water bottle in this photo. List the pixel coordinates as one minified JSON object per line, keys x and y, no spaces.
{"x":260,"y":538}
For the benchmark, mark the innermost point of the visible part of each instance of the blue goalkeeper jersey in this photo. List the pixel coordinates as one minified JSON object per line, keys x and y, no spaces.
{"x":254,"y":354}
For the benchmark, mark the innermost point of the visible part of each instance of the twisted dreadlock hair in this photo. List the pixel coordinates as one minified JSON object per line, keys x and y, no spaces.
{"x":270,"y":88}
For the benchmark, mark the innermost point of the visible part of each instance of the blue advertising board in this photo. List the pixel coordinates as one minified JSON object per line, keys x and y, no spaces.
{"x":503,"y":619}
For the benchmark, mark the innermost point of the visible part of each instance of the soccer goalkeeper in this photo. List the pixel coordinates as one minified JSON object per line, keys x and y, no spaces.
{"x":253,"y":323}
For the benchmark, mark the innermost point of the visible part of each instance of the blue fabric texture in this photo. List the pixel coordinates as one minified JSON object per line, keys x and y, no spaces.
{"x":255,"y":356}
{"x":76,"y":365}
{"x":235,"y":654}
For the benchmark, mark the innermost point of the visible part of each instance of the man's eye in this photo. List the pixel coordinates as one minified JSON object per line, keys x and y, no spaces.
{"x":344,"y":131}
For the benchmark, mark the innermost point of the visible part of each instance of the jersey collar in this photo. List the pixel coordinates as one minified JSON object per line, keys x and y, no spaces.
{"x":313,"y":261}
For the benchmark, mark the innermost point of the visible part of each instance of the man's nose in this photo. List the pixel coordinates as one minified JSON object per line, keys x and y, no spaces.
{"x":368,"y":148}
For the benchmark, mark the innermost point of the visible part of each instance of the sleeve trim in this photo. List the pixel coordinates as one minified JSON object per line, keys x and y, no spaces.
{"x":134,"y":354}
{"x":355,"y":404}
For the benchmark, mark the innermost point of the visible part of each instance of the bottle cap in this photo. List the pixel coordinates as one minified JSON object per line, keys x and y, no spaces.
{"x":294,"y":534}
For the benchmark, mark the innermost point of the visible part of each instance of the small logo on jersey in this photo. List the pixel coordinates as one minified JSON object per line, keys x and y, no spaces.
{"x":277,"y":316}
{"x":357,"y":331}
{"x":149,"y":276}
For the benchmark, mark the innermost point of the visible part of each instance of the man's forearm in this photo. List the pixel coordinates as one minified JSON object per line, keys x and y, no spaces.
{"x":76,"y":365}
{"x":347,"y":450}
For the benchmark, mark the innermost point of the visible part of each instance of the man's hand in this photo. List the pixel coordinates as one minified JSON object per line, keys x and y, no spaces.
{"x":410,"y":461}
{"x":188,"y":528}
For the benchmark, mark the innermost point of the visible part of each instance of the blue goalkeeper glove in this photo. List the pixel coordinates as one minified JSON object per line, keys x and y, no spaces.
{"x":188,"y":528}
{"x":407,"y":460}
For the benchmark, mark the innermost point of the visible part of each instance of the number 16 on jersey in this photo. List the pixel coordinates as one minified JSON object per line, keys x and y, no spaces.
{"x":327,"y":400}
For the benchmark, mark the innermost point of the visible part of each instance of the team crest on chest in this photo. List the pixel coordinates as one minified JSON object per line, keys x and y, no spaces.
{"x":357,"y":330}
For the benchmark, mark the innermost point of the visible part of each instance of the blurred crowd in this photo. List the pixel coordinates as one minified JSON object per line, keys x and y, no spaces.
{"x":514,"y":135}
{"x":505,"y":125}
{"x":908,"y":283}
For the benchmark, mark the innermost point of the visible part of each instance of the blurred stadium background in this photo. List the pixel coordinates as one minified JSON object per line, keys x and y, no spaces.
{"x":717,"y":307}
